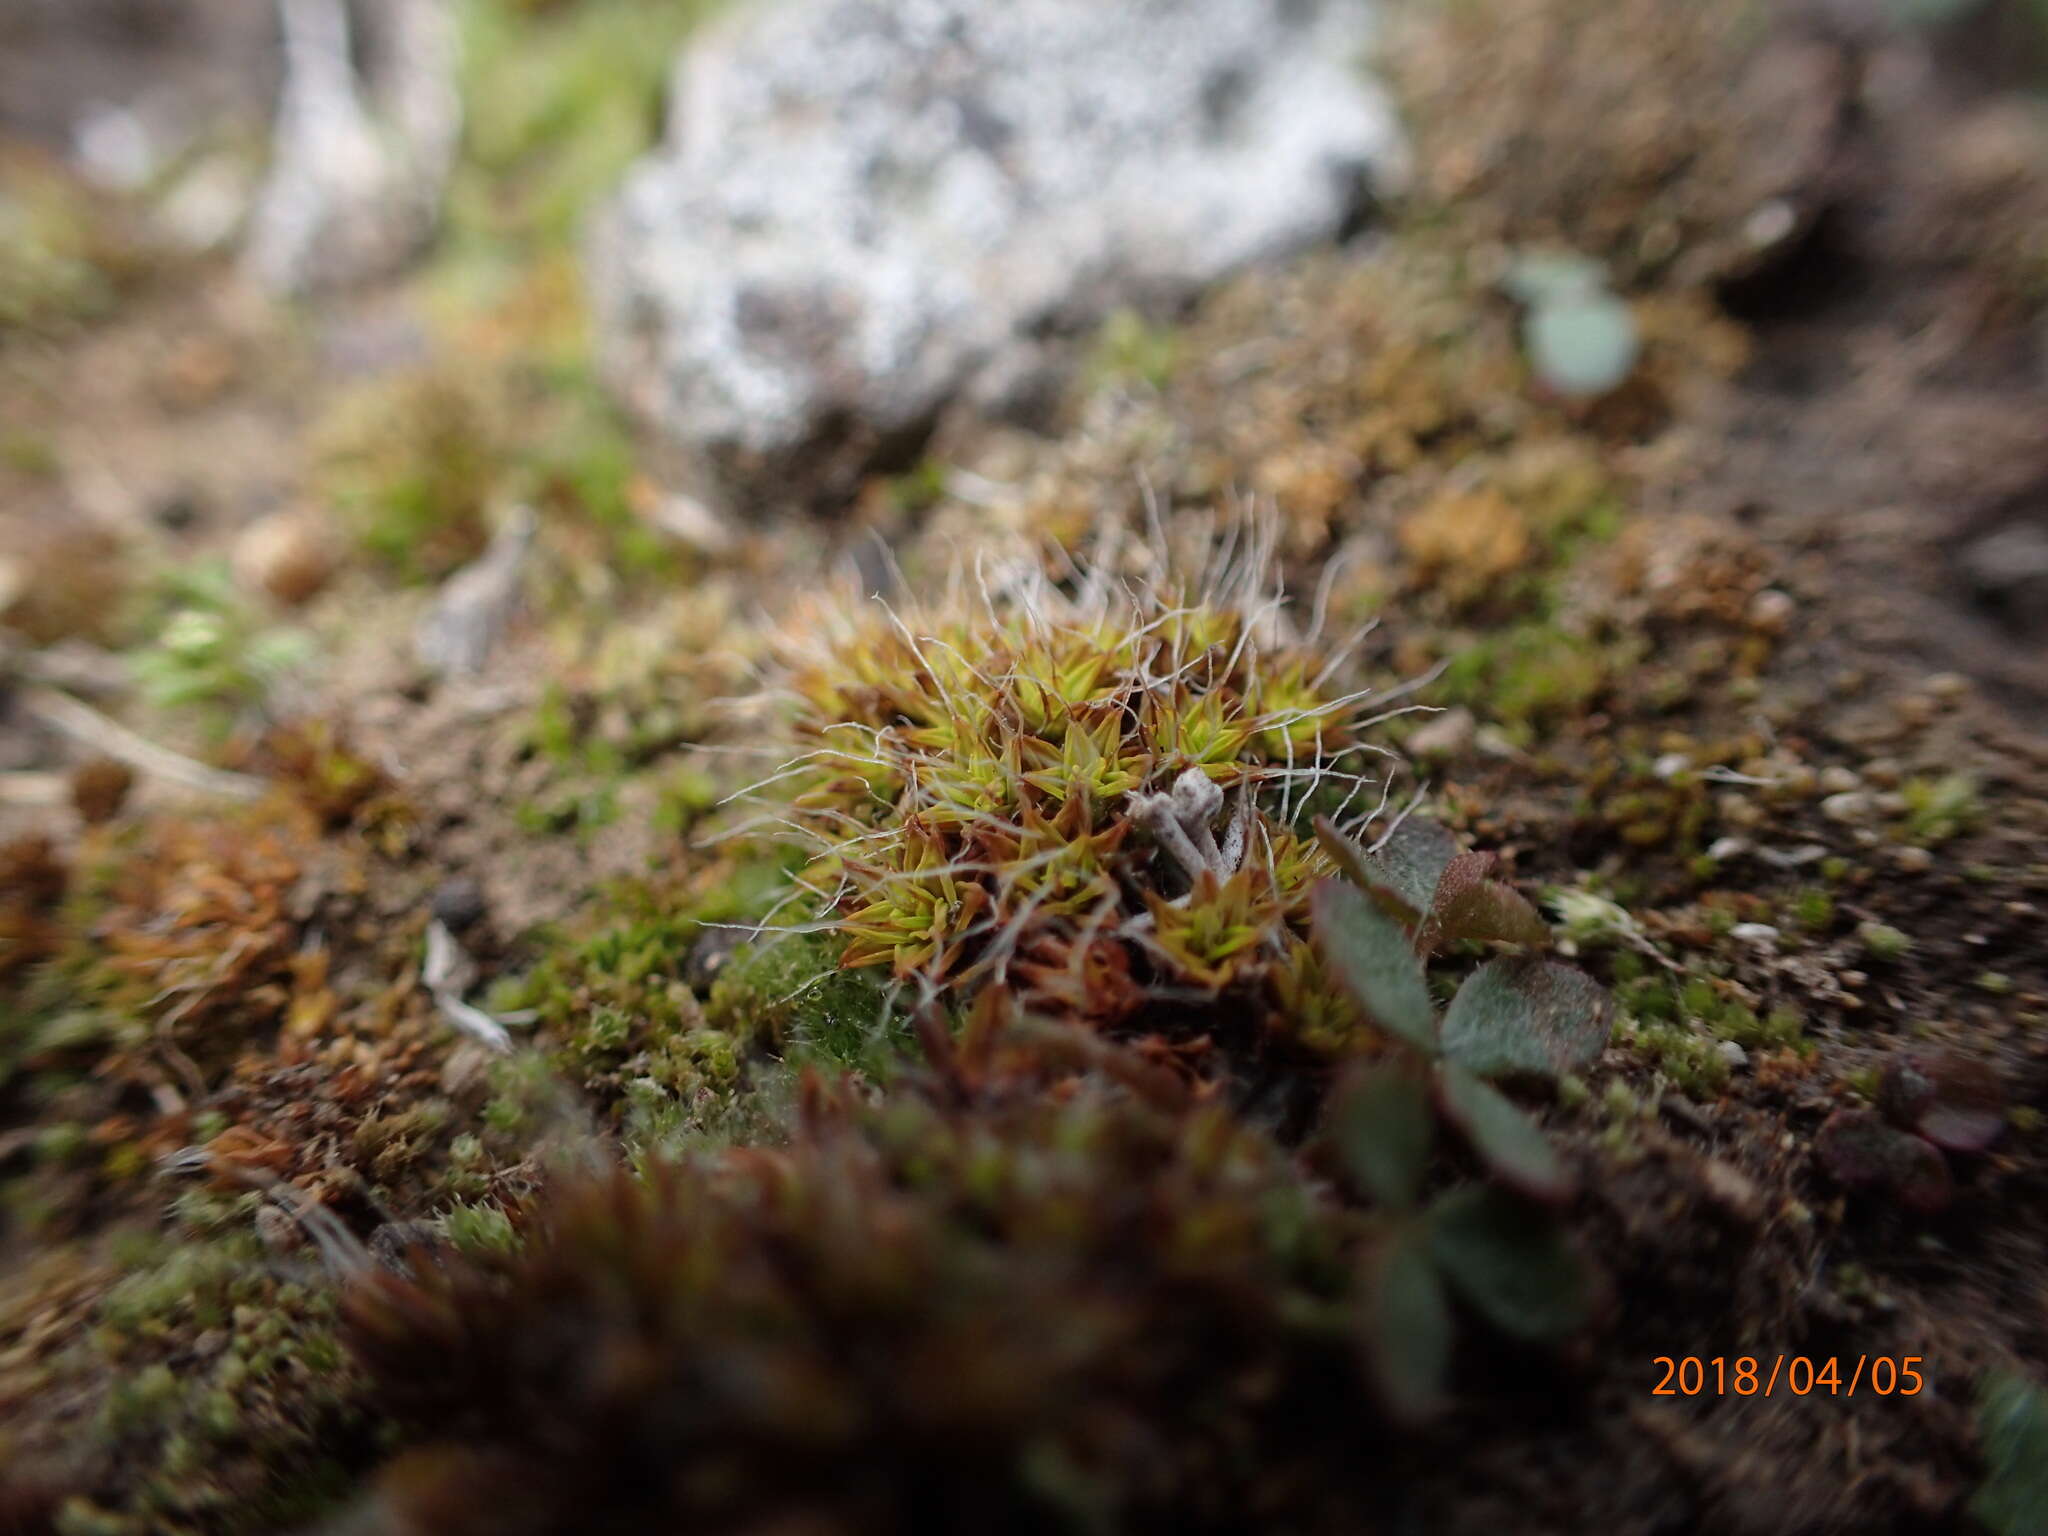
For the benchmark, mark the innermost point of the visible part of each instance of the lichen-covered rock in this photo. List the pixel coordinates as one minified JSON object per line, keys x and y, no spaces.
{"x":865,"y":206}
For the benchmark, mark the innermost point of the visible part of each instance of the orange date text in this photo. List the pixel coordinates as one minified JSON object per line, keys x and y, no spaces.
{"x":1800,"y":1375}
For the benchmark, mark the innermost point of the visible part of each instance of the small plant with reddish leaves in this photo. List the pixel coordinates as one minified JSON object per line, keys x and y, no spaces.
{"x":1930,"y":1102}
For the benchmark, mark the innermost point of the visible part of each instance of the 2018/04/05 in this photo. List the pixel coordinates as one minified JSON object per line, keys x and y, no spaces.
{"x":1801,"y":1375}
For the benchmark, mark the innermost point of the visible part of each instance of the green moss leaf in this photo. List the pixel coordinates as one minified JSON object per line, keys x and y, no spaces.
{"x":1511,"y":1261}
{"x":1381,"y":1125}
{"x":1371,"y":956}
{"x":1522,"y":1016}
{"x":1507,"y":1141}
{"x":2012,"y":1423}
{"x":1407,"y":1325}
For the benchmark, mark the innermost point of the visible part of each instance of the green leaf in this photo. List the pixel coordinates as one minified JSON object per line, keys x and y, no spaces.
{"x":1362,"y":870}
{"x":1407,"y":1325}
{"x":1507,"y":1141}
{"x":1470,"y":905}
{"x":2012,"y":1426}
{"x":1381,"y":1125}
{"x":1412,"y":861}
{"x":1371,"y":955}
{"x":1522,"y":1016}
{"x":1511,"y":1261}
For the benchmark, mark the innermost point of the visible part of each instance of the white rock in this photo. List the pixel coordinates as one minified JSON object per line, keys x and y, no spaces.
{"x":864,"y":205}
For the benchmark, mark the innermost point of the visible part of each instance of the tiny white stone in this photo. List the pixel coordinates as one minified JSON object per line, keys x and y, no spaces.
{"x":1771,"y":611}
{"x":1495,"y":742}
{"x":1447,"y":735}
{"x":1848,"y":806}
{"x":1770,"y":223}
{"x":1761,"y":934}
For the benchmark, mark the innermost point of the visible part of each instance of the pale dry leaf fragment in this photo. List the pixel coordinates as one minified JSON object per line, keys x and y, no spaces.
{"x":449,"y":972}
{"x":456,"y":636}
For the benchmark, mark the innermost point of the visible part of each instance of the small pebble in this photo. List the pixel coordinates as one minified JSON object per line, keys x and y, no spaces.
{"x":99,"y":787}
{"x":1725,"y":848}
{"x":1837,"y":780}
{"x":1671,"y":765}
{"x":1495,"y":742}
{"x":1755,"y":933}
{"x":1913,"y":860}
{"x":1947,"y":685}
{"x":1732,"y":1053}
{"x":1739,"y":810}
{"x":398,"y":1246}
{"x":459,"y":903}
{"x":178,"y":511}
{"x":1730,"y":1186}
{"x":1847,"y":807}
{"x":1797,"y":779}
{"x":288,"y":555}
{"x":467,"y":1071}
{"x":1770,"y":611}
{"x":708,"y":956}
{"x":276,"y":1230}
{"x":1446,"y":735}
{"x":1884,"y":772}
